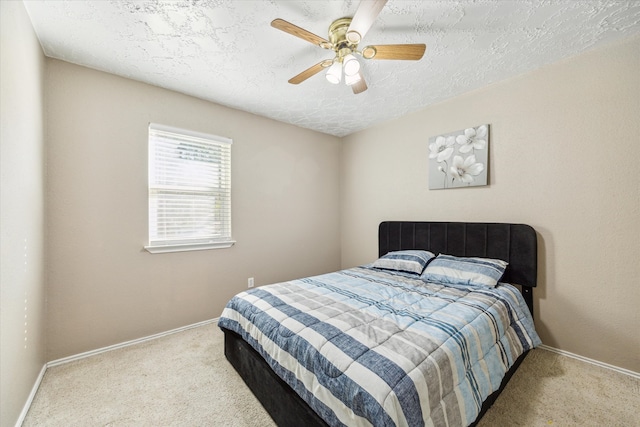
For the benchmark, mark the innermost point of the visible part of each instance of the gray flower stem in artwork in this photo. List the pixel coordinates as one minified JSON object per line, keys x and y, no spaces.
{"x":444,"y":171}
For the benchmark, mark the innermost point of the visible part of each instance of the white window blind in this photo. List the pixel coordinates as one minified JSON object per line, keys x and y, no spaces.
{"x":189,"y":190}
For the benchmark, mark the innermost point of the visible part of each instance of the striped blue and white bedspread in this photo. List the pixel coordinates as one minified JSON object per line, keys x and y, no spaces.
{"x":369,"y":347}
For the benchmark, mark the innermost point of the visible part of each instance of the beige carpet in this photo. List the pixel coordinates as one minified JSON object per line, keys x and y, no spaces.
{"x":183,"y":379}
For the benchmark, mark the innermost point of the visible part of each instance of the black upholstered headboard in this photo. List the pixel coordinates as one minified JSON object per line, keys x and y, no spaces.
{"x":515,"y":243}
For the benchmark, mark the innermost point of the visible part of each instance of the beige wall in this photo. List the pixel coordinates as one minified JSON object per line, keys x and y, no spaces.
{"x":563,"y":158}
{"x":103,"y":287}
{"x":22,"y":339}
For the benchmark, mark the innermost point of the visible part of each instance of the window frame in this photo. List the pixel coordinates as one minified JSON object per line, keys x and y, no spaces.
{"x":181,"y":245}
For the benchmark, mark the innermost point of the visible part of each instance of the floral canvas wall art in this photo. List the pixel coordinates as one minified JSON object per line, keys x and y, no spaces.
{"x":459,"y":159}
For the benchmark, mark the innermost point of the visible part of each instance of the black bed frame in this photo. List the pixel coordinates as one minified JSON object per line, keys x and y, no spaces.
{"x":514,"y":243}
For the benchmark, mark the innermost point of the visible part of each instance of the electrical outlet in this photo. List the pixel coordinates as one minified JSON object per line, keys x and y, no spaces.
{"x":250,"y":282}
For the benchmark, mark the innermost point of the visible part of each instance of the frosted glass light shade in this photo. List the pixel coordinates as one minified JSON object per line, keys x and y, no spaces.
{"x":349,"y":80}
{"x":334,"y":73}
{"x":351,"y":65}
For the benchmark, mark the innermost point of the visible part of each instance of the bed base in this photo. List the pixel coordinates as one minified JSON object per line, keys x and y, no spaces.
{"x":514,"y":243}
{"x":284,"y":405}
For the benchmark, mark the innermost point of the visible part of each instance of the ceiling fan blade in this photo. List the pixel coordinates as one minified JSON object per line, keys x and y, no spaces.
{"x":360,"y":86}
{"x":366,"y":14}
{"x":311,"y":71}
{"x":288,"y":27}
{"x":411,"y":52}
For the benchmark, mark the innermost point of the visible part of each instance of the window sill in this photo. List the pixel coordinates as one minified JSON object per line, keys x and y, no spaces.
{"x":161,"y":249}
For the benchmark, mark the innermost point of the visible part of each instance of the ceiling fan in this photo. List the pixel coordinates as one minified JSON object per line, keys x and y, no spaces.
{"x":344,"y":36}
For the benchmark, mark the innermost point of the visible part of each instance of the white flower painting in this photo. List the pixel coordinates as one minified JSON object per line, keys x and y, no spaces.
{"x":459,"y":159}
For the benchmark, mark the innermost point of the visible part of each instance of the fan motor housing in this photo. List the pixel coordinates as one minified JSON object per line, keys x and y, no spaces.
{"x":338,"y":37}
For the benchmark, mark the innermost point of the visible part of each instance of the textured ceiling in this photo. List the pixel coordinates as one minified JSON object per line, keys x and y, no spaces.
{"x":226,"y":51}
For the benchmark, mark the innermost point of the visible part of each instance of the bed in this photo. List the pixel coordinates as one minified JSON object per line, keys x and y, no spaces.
{"x":400,"y":341}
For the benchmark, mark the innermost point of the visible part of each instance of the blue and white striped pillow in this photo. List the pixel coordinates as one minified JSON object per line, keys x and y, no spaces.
{"x":412,"y":261}
{"x":448,"y":269}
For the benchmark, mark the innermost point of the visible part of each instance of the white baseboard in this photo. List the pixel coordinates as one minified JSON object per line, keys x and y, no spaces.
{"x":126,"y":343}
{"x":591,"y":361}
{"x":32,"y":395}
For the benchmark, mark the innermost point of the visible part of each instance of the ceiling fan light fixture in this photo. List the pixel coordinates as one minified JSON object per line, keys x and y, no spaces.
{"x":351,"y":65}
{"x":351,"y":80}
{"x":334,"y":73}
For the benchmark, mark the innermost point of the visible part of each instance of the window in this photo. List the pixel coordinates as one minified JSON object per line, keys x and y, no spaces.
{"x":189,"y":190}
